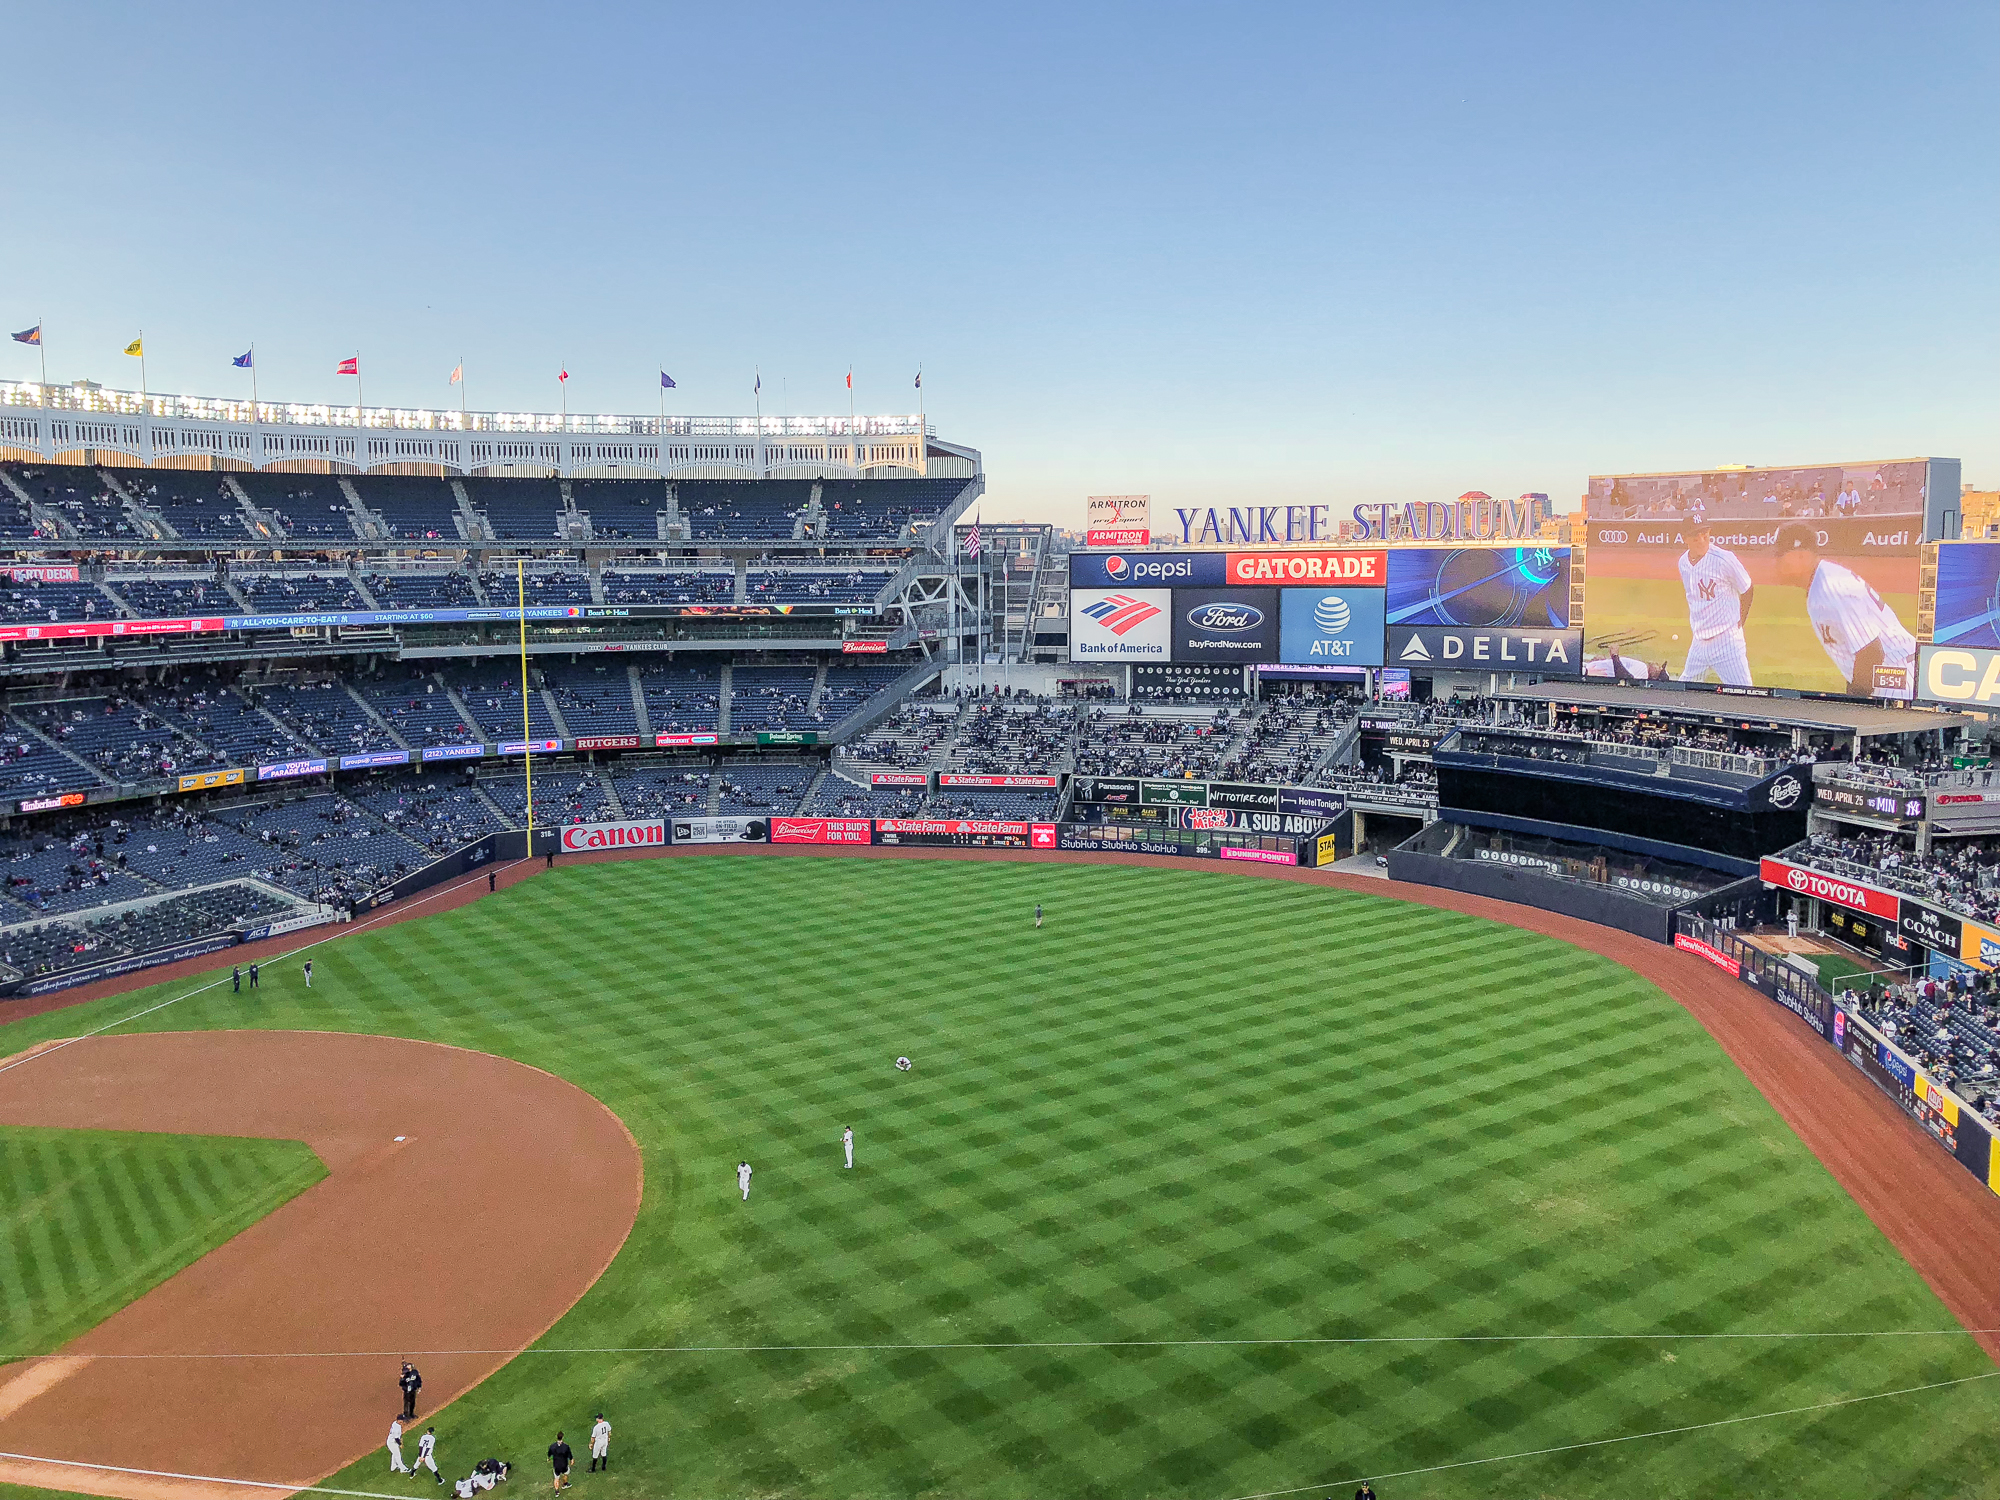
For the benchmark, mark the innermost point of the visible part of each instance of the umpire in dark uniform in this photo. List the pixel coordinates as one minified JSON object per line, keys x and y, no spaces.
{"x":411,"y":1382}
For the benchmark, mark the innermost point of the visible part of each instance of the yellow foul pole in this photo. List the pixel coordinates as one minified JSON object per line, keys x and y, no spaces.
{"x":527,"y":738}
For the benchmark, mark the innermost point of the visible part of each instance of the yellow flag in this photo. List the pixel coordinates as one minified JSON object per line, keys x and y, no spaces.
{"x":136,"y":348}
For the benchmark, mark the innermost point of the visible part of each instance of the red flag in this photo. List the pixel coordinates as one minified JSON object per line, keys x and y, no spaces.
{"x":563,"y":376}
{"x":350,"y":366}
{"x":850,"y":380}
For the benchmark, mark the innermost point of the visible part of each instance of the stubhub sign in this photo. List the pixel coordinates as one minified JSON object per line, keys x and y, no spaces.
{"x":1336,"y":627}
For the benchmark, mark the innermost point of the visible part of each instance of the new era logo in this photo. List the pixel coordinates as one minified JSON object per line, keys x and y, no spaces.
{"x":1118,"y":613}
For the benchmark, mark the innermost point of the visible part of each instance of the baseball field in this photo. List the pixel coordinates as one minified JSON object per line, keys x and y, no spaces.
{"x":1214,"y":1187}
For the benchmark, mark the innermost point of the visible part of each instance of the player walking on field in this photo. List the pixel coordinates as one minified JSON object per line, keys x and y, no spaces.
{"x":396,"y":1464}
{"x":1719,"y":591}
{"x":743,"y":1179}
{"x":1855,"y":628}
{"x":309,"y":973}
{"x":427,"y":1454}
{"x":1038,"y":916}
{"x":847,"y":1145}
{"x":560,"y":1456}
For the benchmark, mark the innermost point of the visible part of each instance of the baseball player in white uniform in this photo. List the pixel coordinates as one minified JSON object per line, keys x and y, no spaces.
{"x":743,"y":1179}
{"x":396,"y":1464}
{"x":1719,"y":591}
{"x":600,"y":1444}
{"x":427,"y":1454}
{"x":1855,"y":628}
{"x":847,"y":1144}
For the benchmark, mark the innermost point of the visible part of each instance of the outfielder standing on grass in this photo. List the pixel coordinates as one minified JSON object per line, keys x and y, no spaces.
{"x":847,"y":1144}
{"x":309,"y":973}
{"x":743,"y":1179}
{"x":600,"y":1445}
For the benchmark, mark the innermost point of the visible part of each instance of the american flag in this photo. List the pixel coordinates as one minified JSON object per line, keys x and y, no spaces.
{"x":972,"y":541}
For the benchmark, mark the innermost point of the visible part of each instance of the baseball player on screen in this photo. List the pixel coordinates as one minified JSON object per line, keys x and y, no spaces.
{"x":1719,"y":591}
{"x":1856,"y":629}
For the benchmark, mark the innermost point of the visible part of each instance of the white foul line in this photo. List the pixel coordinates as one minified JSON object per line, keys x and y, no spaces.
{"x":1633,"y":1437}
{"x":346,"y":930}
{"x":254,"y":1484}
{"x":1397,"y":1338}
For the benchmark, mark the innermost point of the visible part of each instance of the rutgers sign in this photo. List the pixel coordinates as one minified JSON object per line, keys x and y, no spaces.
{"x":1861,"y":898}
{"x":578,"y":837}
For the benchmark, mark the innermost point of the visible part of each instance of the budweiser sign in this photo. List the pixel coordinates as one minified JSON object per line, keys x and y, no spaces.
{"x":579,"y":837}
{"x":1861,"y":898}
{"x":863,"y":648}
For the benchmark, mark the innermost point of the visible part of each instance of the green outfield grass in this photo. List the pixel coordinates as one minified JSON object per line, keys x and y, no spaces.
{"x":1195,"y":1106}
{"x":90,"y":1219}
{"x":1784,"y":651}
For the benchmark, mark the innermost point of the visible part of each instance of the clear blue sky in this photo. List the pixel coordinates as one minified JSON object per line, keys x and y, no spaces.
{"x":1219,"y":254}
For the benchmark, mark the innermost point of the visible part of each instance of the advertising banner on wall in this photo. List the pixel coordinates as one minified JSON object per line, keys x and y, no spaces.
{"x":1938,"y":931}
{"x":718,"y":830}
{"x":1959,"y":676}
{"x":1311,"y":801}
{"x":1481,"y":587}
{"x":953,"y":833}
{"x":899,"y":778}
{"x":203,"y":781}
{"x":1515,"y":648}
{"x":1118,"y":791}
{"x":1193,"y":678}
{"x":1003,"y":783}
{"x":284,"y":770}
{"x":665,"y":741}
{"x":1830,"y":550}
{"x":368,"y":759}
{"x":822,"y":831}
{"x":607,"y":742}
{"x":648,"y":833}
{"x":1145,"y":570}
{"x":453,"y":752}
{"x":1121,"y":624}
{"x":43,"y":574}
{"x":1855,"y":897}
{"x":1334,"y":627}
{"x":864,"y":648}
{"x":1225,"y":625}
{"x":1897,"y":807}
{"x":1353,"y":567}
{"x":50,"y":802}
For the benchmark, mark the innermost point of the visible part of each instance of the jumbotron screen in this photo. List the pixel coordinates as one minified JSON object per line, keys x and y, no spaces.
{"x":1799,"y":578}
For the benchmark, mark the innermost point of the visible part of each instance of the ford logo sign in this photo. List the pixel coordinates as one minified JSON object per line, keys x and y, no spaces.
{"x":1229,"y":617}
{"x":1332,"y":615}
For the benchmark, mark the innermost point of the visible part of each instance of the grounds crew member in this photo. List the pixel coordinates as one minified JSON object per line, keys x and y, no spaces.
{"x":411,"y":1382}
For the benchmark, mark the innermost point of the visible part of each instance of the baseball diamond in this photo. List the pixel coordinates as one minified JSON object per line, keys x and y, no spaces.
{"x":1147,"y":1164}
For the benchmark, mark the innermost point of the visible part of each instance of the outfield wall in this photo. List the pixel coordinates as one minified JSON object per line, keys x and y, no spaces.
{"x":1605,"y":905}
{"x":1945,"y":1117}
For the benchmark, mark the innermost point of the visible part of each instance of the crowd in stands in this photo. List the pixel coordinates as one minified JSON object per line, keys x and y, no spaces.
{"x":1951,"y":1026}
{"x":1962,"y":875}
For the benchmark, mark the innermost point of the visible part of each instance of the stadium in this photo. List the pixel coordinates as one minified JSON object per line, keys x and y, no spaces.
{"x":1367,"y":1010}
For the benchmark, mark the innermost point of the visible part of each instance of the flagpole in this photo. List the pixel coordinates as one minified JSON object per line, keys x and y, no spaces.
{"x":461,"y":392}
{"x":527,"y":738}
{"x":359,"y":404}
{"x":42,"y":348}
{"x":253,"y":380}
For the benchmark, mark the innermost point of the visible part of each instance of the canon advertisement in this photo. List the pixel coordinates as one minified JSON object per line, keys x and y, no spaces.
{"x":579,"y":838}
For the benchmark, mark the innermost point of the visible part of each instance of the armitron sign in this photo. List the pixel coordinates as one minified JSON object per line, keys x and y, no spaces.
{"x":1861,"y":898}
{"x":578,"y":837}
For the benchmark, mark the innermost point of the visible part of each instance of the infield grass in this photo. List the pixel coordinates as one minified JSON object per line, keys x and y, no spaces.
{"x":1195,"y":1106}
{"x":91,"y":1219}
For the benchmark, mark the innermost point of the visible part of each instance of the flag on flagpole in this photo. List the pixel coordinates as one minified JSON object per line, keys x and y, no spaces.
{"x":850,"y":380}
{"x":920,"y":380}
{"x":349,"y":367}
{"x":758,"y":388}
{"x":137,"y":348}
{"x":244,"y":361}
{"x":457,"y":375}
{"x":29,"y":335}
{"x":972,"y":541}
{"x":562,"y":377}
{"x":666,"y":381}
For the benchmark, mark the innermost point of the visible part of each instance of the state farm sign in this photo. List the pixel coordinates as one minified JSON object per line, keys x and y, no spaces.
{"x":584,"y":836}
{"x":1861,"y":898}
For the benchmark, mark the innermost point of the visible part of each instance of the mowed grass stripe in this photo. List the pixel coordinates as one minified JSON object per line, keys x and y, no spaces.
{"x":1191,"y":1106}
{"x":90,"y":1220}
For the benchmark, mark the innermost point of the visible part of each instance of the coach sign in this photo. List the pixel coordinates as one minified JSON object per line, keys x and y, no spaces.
{"x":1935,"y":930}
{"x":1862,"y":898}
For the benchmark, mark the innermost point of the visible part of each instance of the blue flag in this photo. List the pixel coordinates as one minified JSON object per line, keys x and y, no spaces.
{"x":242,"y":361}
{"x":666,"y":381}
{"x":920,"y":380}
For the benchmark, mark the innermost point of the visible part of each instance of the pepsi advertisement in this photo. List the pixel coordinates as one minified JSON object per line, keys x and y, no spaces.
{"x":1330,"y":627}
{"x":1147,"y":570}
{"x":1479,"y":586}
{"x":1225,"y":625}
